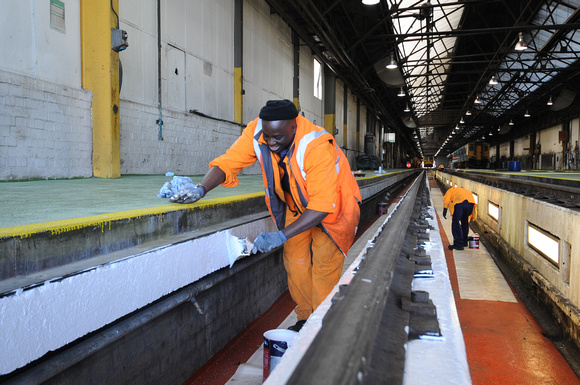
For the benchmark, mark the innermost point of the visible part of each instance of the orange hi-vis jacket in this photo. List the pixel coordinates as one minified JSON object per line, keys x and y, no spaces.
{"x":457,"y":195}
{"x":319,"y":176}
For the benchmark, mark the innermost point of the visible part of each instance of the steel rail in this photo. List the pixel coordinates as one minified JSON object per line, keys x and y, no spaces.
{"x":340,"y":353}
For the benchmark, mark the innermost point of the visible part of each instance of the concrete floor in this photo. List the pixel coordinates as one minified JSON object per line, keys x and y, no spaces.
{"x":39,"y":201}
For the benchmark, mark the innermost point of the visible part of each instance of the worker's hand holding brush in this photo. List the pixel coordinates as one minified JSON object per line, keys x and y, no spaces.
{"x":268,"y":241}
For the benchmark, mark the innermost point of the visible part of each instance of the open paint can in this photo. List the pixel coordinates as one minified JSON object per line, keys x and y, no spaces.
{"x":473,"y":242}
{"x":382,"y":209}
{"x":276,"y":342}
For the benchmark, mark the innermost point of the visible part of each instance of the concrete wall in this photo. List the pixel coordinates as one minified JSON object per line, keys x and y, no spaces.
{"x":34,"y":47}
{"x":45,"y":117}
{"x":522,"y":146}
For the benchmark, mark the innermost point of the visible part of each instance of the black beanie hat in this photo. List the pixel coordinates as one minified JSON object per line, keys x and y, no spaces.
{"x":278,"y":110}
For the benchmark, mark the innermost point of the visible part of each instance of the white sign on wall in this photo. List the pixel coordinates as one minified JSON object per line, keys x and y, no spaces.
{"x":57,"y":16}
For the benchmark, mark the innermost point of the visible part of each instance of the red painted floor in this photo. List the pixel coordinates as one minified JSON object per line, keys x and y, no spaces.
{"x":224,"y":364}
{"x":504,"y":343}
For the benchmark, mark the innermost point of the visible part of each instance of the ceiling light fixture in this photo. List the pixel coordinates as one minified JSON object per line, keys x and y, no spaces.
{"x":550,"y":102}
{"x":521,"y":45}
{"x":527,"y":114}
{"x":468,"y":112}
{"x":407,"y":109}
{"x":392,"y":63}
{"x":461,"y":121}
{"x":492,"y":81}
{"x":401,"y":92}
{"x":370,"y":2}
{"x":511,"y":123}
{"x":477,"y":101}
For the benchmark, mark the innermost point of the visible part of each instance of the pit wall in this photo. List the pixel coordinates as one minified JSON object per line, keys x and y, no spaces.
{"x":555,"y":286}
{"x":144,"y":258}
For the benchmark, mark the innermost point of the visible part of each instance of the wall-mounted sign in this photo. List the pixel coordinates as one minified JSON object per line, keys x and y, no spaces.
{"x":57,"y":16}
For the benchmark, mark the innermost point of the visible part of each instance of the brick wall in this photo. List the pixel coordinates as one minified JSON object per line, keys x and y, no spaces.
{"x":189,"y":142}
{"x":45,"y":129}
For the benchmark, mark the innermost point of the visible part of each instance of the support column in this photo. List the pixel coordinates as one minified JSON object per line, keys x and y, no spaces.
{"x":329,"y":101}
{"x":238,"y":61}
{"x":100,"y":75}
{"x":345,"y":119}
{"x":296,"y":82}
{"x":357,"y":148}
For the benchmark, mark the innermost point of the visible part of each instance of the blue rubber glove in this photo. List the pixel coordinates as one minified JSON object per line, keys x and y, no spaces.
{"x":188,"y":195}
{"x":268,"y":241}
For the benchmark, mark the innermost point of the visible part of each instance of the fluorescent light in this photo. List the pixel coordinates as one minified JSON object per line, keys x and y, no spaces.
{"x":521,"y":45}
{"x":392,"y":63}
{"x":544,"y":242}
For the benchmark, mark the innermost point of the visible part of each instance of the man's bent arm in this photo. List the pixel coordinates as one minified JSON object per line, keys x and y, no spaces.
{"x":306,"y":221}
{"x":214,"y":177}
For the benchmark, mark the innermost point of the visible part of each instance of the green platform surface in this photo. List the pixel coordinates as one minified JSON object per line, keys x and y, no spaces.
{"x":38,"y":201}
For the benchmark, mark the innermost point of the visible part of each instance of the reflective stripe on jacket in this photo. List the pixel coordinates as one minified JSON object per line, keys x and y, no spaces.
{"x":319,"y":175}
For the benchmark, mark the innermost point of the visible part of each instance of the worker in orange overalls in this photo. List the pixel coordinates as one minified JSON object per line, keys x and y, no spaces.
{"x":462,"y":206}
{"x":310,"y":192}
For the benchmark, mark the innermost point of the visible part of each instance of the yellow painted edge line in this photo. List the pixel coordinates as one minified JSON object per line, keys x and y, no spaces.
{"x":377,"y":175}
{"x":104,"y":220}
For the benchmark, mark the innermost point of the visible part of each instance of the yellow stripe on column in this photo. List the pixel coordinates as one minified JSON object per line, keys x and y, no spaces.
{"x":330,"y":123}
{"x":238,"y":97}
{"x":100,"y":75}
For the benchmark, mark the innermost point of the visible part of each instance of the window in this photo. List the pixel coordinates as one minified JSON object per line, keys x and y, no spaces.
{"x":317,"y":79}
{"x":493,"y":210}
{"x":544,"y":243}
{"x":475,"y":197}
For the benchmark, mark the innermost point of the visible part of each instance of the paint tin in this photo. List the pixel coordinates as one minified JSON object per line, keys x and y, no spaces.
{"x":473,"y":242}
{"x":382,"y":208}
{"x":276,"y":342}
